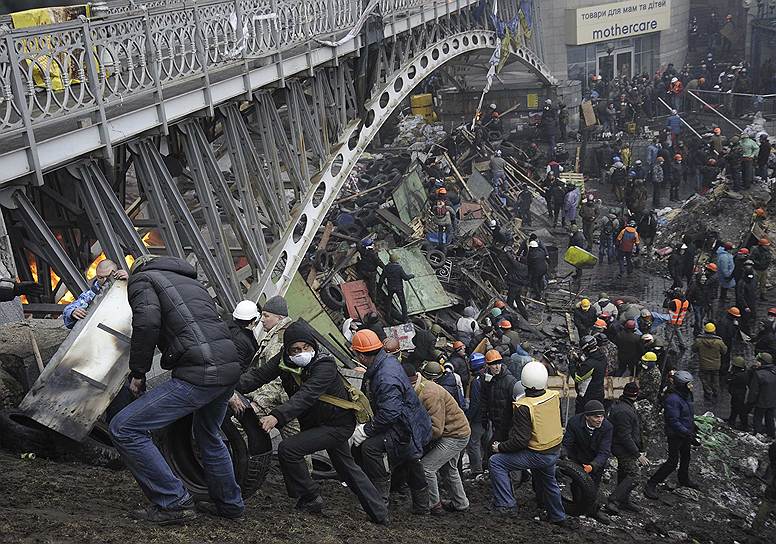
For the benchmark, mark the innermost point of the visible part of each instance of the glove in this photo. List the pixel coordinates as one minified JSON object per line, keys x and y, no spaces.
{"x":642,"y":460}
{"x":694,"y":442}
{"x":29,"y":288}
{"x":359,"y":435}
{"x":587,"y":468}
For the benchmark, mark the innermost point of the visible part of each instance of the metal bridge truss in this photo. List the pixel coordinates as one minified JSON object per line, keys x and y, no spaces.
{"x":241,"y":190}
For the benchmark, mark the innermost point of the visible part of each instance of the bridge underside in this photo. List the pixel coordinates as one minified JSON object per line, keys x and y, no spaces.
{"x":241,"y":192}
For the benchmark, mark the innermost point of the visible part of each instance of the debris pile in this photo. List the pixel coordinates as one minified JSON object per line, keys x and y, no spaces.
{"x":415,"y":134}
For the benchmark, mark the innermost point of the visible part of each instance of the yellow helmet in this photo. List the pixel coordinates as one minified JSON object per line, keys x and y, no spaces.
{"x":649,"y":357}
{"x":710,"y":328}
{"x":584,"y":304}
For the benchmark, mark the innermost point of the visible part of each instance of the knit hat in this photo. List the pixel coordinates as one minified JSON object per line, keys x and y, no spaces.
{"x":470,"y":311}
{"x":276,"y":305}
{"x":738,"y":361}
{"x":631,"y":390}
{"x":299,"y":331}
{"x":594,"y":408}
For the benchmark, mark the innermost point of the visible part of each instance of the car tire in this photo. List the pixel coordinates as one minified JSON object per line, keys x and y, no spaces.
{"x":436,"y":258}
{"x":323,"y":469}
{"x":331,"y":296}
{"x":22,"y":434}
{"x":577,"y":498}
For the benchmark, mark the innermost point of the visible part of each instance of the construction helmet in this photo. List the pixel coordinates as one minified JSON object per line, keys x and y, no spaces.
{"x":712,"y":267}
{"x":647,"y":338}
{"x":735,"y":312}
{"x":458,"y":345}
{"x":709,"y":328}
{"x":764,"y":242}
{"x":365,"y":341}
{"x":492,"y":356}
{"x":534,"y":376}
{"x":743,"y":251}
{"x":500,"y":304}
{"x":476,"y":361}
{"x":677,"y":157}
{"x":717,"y":131}
{"x":431,"y":370}
{"x":441,"y":191}
{"x":630,"y":325}
{"x":759,"y":212}
{"x":649,"y":357}
{"x":246,"y":310}
{"x":599,"y":324}
{"x":584,"y":304}
{"x":506,"y":324}
{"x":682,"y":377}
{"x":588,"y":343}
{"x":771,"y":311}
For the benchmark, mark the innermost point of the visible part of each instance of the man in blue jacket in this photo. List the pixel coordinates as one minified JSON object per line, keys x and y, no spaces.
{"x":680,"y":431}
{"x":480,"y":438}
{"x":725,"y":267}
{"x":76,"y":310}
{"x":588,"y":441}
{"x":401,"y":427}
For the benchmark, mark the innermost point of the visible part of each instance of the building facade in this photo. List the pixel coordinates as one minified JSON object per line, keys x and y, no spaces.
{"x":579,"y":38}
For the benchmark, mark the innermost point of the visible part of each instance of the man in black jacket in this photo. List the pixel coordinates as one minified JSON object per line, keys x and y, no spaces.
{"x":588,"y":373}
{"x":314,"y":386}
{"x":173,"y":311}
{"x":244,"y":318}
{"x":628,"y":447}
{"x":588,"y":441}
{"x":762,"y":395}
{"x":394,"y":277}
{"x":368,"y":265}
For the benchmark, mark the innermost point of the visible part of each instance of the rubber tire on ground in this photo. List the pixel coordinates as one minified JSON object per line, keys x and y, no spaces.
{"x":436,"y":258}
{"x":353,"y":230}
{"x":584,"y":492}
{"x":366,"y":217}
{"x":21,"y":434}
{"x":426,"y":246}
{"x":331,"y":296}
{"x":96,"y":449}
{"x":176,"y":444}
{"x":323,"y":468}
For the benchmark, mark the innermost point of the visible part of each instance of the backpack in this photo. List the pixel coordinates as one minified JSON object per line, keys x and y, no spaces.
{"x":358,"y":401}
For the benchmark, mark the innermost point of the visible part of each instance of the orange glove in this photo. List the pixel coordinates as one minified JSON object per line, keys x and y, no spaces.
{"x":587,"y":468}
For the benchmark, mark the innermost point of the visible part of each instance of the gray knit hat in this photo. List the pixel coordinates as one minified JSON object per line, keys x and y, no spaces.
{"x":276,"y":305}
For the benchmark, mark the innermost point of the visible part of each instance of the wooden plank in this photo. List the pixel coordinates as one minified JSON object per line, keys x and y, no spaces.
{"x":613,"y":386}
{"x":397,"y":224}
{"x":321,"y":245}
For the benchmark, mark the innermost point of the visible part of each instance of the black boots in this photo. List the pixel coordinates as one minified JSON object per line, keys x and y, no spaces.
{"x":420,"y":505}
{"x":167,"y":516}
{"x":650,"y":491}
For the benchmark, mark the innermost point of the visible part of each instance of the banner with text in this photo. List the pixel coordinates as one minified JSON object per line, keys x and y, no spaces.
{"x":616,"y":20}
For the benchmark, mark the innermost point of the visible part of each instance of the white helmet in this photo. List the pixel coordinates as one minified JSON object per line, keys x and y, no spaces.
{"x":493,"y":107}
{"x":534,"y":376}
{"x":246,"y":310}
{"x":533,"y":243}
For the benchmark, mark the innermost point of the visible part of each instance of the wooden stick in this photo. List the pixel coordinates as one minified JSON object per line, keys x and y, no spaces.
{"x":36,"y":351}
{"x":322,"y":244}
{"x":362,"y":193}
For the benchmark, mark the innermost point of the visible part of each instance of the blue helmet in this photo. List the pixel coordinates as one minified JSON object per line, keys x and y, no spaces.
{"x":368,"y":242}
{"x":616,"y":158}
{"x":476,"y":361}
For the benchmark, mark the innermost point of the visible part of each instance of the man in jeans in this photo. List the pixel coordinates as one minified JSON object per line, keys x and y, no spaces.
{"x":172,"y":310}
{"x":450,"y":434}
{"x":534,"y":443}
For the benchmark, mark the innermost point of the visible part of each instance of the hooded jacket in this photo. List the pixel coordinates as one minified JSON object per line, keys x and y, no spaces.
{"x":398,"y":412}
{"x":725,"y":267}
{"x":679,"y":414}
{"x":710,"y":349}
{"x":173,"y":311}
{"x":762,"y":387}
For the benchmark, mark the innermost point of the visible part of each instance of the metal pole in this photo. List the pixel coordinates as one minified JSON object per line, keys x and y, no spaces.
{"x":715,"y":110}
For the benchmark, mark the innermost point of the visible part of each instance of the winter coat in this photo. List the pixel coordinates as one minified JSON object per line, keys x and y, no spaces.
{"x":626,"y":436}
{"x":606,"y":307}
{"x":725,"y":268}
{"x":570,"y":204}
{"x":460,"y":367}
{"x":447,"y":417}
{"x":710,"y":349}
{"x":764,"y":153}
{"x":369,"y":262}
{"x":585,"y":447}
{"x":588,"y":212}
{"x":738,"y":382}
{"x":394,"y":276}
{"x":173,"y":311}
{"x":746,"y":294}
{"x":674,"y":124}
{"x":517,"y":275}
{"x":496,"y":404}
{"x":676,"y":265}
{"x":593,"y":366}
{"x":658,"y":174}
{"x":678,"y":414}
{"x":750,"y":148}
{"x":678,"y":173}
{"x":765,"y":341}
{"x":762,"y":387}
{"x":629,"y":348}
{"x":761,"y":257}
{"x":473,"y":394}
{"x":318,"y":378}
{"x":738,"y":266}
{"x":449,"y":383}
{"x":245,"y":342}
{"x":398,"y":412}
{"x":584,"y":320}
{"x":537,"y":261}
{"x":728,"y":330}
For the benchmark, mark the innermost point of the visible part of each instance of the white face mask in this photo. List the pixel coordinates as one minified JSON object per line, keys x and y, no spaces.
{"x":488,"y":376}
{"x":303,"y":359}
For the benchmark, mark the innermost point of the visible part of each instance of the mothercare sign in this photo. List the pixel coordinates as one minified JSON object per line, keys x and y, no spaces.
{"x":617,"y":20}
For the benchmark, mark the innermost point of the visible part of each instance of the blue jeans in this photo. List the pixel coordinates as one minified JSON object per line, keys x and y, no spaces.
{"x":156,"y":409}
{"x":605,"y":248}
{"x":542,"y":467}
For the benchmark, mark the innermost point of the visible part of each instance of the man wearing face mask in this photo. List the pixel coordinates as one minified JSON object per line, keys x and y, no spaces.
{"x":313,"y":386}
{"x":746,"y":298}
{"x":241,"y":327}
{"x":76,"y":310}
{"x":765,"y":341}
{"x":265,"y":397}
{"x":680,"y":431}
{"x":400,"y":428}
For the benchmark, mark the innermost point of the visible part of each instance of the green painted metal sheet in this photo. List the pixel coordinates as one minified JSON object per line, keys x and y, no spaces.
{"x":410,"y":196}
{"x":424,"y":293}
{"x":303,"y":303}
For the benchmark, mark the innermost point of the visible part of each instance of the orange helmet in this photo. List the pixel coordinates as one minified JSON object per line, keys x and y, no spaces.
{"x":764,"y":242}
{"x":506,"y":324}
{"x":677,"y":157}
{"x":492,"y":356}
{"x":500,"y":304}
{"x":441,"y":191}
{"x":759,"y":212}
{"x":717,"y":131}
{"x":458,"y":345}
{"x":600,"y":324}
{"x":735,"y":312}
{"x":712,"y":267}
{"x":365,"y":341}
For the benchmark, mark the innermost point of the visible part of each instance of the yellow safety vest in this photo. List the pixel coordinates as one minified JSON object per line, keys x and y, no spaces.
{"x":546,"y":430}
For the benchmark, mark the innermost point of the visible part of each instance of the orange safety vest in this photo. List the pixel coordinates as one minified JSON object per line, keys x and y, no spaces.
{"x":678,"y":315}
